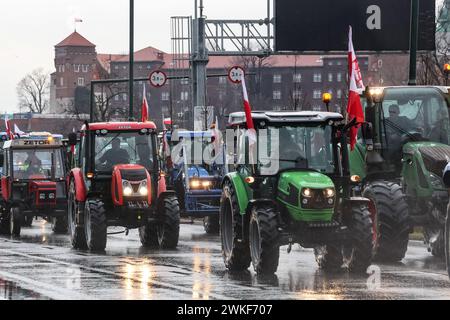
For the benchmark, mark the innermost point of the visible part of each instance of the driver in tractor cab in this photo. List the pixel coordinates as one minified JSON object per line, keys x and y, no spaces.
{"x":290,"y":152}
{"x":402,"y":122}
{"x":115,"y":155}
{"x":34,"y":164}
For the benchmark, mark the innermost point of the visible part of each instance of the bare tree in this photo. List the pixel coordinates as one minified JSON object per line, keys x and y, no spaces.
{"x":33,"y":91}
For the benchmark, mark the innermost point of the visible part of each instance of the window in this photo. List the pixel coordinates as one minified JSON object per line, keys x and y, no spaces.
{"x":330,"y":63}
{"x":27,"y":163}
{"x":277,"y":108}
{"x":297,"y":77}
{"x":185,"y":81}
{"x":277,"y":78}
{"x":339,"y":94}
{"x":297,"y":94}
{"x":339,"y":63}
{"x":165,"y":109}
{"x":149,"y":67}
{"x":124,"y":67}
{"x":80,"y":82}
{"x":339,"y":77}
{"x":124,"y":97}
{"x":76,"y":67}
{"x":116,"y":67}
{"x":330,"y":77}
{"x":116,"y":97}
{"x":85,"y":68}
{"x":184,"y":95}
{"x":317,"y":94}
{"x":165,"y":96}
{"x":317,"y":77}
{"x":222,"y":80}
{"x":61,"y":68}
{"x":277,"y":95}
{"x":61,"y":82}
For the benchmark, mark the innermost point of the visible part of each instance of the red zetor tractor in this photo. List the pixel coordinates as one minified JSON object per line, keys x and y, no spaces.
{"x":117,"y":182}
{"x":33,"y":183}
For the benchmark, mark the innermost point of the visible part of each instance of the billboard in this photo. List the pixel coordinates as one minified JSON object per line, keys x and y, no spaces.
{"x":378,"y":25}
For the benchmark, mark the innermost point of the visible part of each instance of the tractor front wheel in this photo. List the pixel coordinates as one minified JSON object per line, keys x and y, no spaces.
{"x":77,"y":234}
{"x":15,"y":221}
{"x":211,"y":224}
{"x":329,"y":257}
{"x":95,"y":227}
{"x":59,"y":225}
{"x":168,"y":226}
{"x":447,"y":241}
{"x":263,"y":238}
{"x":358,"y":255}
{"x":235,"y":249}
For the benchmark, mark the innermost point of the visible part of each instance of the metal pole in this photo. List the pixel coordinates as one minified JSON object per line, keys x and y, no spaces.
{"x":131,"y":82}
{"x":414,"y":32}
{"x":91,"y":103}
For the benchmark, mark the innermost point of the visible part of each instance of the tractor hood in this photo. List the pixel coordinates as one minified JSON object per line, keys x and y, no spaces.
{"x":317,"y":207}
{"x":435,"y":156}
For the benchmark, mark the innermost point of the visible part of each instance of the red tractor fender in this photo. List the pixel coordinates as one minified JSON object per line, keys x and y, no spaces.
{"x":80,"y":186}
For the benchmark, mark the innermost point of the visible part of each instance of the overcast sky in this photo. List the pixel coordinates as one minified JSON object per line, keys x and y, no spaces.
{"x":29,"y":30}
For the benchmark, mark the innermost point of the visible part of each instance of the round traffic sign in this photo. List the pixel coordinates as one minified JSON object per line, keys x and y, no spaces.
{"x":235,"y":74}
{"x":158,"y":78}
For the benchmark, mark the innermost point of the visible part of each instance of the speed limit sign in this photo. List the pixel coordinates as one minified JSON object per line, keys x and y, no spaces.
{"x":158,"y":79}
{"x":235,"y":74}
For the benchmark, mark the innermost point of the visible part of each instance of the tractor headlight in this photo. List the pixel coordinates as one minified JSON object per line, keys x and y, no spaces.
{"x":143,"y":190}
{"x":127,"y":189}
{"x":329,"y":192}
{"x":206,"y":184}
{"x":195,"y":184}
{"x":307,"y":192}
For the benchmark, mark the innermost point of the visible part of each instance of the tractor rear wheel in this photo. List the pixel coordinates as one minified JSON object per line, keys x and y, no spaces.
{"x":263,"y":238}
{"x":235,"y":249}
{"x":59,"y":225}
{"x":211,"y":224}
{"x":15,"y":221}
{"x":168,"y":227}
{"x":358,"y":256}
{"x":77,"y":234}
{"x":392,"y":220}
{"x":95,"y":227}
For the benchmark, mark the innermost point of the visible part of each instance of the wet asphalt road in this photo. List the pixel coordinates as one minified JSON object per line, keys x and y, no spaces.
{"x":41,"y":265}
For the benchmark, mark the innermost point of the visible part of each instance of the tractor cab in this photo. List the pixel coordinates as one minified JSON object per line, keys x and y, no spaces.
{"x":293,"y":185}
{"x":33,"y":182}
{"x":116,"y":182}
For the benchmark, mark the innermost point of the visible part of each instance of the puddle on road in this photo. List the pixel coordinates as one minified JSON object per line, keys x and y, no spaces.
{"x":11,"y":291}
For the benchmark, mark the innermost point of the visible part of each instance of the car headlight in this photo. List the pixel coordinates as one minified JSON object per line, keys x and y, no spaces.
{"x":127,"y":189}
{"x":307,"y":192}
{"x":329,"y":192}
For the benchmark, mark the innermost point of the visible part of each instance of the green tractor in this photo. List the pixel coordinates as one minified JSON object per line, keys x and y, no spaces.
{"x":298,"y":191}
{"x":401,"y":173}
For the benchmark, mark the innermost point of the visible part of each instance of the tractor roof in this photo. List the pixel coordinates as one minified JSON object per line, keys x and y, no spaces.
{"x":286,"y":117}
{"x":44,"y":142}
{"x":121,"y":126}
{"x":441,"y":88}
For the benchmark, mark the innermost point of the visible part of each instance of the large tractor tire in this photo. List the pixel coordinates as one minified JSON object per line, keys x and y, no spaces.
{"x":235,"y":249}
{"x":60,"y":225}
{"x":15,"y":221}
{"x":329,"y":257}
{"x":27,"y":221}
{"x":263,"y":240}
{"x":358,"y":256}
{"x":4,"y":224}
{"x":447,"y":241}
{"x":77,"y":235}
{"x":95,"y":227}
{"x":148,"y":235}
{"x":392,"y":222}
{"x":211,"y":224}
{"x":168,"y":228}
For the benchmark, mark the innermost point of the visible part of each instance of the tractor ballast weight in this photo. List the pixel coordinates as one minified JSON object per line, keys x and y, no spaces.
{"x":402,"y":174}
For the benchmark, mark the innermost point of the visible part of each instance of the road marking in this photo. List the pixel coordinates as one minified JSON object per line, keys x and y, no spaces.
{"x":45,"y":289}
{"x":96,"y":270}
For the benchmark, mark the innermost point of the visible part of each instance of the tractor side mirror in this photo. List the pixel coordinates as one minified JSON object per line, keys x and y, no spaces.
{"x":73,"y":139}
{"x":446,"y":176}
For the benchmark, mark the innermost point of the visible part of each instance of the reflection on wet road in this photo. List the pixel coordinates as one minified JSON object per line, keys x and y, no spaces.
{"x":41,"y":265}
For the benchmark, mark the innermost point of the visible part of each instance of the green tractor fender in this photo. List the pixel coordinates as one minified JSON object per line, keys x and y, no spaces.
{"x":241,"y":191}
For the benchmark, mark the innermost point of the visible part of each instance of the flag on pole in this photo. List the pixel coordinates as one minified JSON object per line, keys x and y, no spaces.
{"x":8,"y":128}
{"x":356,"y":87}
{"x":144,"y":111}
{"x":78,"y":20}
{"x":251,"y":132}
{"x":17,"y":131}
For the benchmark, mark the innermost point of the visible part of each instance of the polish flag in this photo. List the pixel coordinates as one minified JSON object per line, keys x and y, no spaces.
{"x":17,"y":131}
{"x":356,"y":87}
{"x":144,"y":108}
{"x":8,"y":128}
{"x":248,"y":115}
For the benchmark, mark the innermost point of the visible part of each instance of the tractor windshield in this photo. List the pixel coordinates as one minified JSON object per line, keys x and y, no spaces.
{"x":116,"y":148}
{"x":37,"y":164}
{"x":302,"y":147}
{"x":413,"y":114}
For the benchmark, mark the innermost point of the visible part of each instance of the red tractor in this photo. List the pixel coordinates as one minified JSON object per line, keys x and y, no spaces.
{"x":117,"y":182}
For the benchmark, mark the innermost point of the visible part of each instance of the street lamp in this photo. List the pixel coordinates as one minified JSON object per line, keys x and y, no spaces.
{"x":446,"y":71}
{"x":326,"y":98}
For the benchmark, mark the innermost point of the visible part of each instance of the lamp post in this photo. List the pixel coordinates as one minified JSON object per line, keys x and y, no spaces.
{"x":131,"y":66}
{"x":326,"y":98}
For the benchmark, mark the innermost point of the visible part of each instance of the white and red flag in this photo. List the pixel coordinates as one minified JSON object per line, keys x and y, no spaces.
{"x":248,"y":115}
{"x":8,"y":128}
{"x":356,"y":87}
{"x":144,"y":108}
